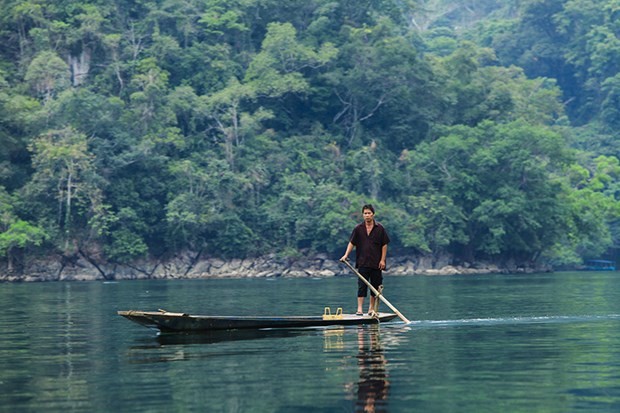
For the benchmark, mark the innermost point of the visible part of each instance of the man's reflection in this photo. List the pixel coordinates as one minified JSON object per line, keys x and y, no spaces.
{"x":373,"y":385}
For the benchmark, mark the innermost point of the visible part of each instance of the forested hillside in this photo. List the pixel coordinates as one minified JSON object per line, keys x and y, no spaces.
{"x":481,"y":130}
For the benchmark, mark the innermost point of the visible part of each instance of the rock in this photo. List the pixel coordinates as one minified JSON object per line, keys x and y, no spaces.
{"x":76,"y":268}
{"x":326,"y":273}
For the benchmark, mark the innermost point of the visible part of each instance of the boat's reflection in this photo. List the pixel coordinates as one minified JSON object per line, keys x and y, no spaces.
{"x":369,"y":393}
{"x":226,"y":335}
{"x":172,"y":347}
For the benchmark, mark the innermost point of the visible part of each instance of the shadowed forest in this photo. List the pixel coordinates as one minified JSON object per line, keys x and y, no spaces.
{"x":479,"y":130}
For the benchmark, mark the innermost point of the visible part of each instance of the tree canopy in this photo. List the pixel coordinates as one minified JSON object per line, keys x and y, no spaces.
{"x":481,"y":130}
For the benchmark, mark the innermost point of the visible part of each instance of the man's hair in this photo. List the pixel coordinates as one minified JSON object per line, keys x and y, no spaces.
{"x":368,"y":206}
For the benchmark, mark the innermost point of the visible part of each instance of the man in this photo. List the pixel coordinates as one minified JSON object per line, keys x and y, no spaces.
{"x":370,"y":240}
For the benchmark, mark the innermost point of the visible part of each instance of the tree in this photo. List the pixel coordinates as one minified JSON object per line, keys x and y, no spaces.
{"x":48,"y":74}
{"x":228,"y":127}
{"x":379,"y":71}
{"x":277,"y":69}
{"x":610,"y":106}
{"x":125,"y":243}
{"x":499,"y":181}
{"x":224,"y":109}
{"x":593,"y":208}
{"x":21,"y":16}
{"x":20,"y":118}
{"x":64,"y":170}
{"x":16,"y":235}
{"x":203,"y":212}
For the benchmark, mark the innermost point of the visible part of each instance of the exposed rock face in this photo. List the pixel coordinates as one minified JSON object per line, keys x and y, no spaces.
{"x":186,"y":266}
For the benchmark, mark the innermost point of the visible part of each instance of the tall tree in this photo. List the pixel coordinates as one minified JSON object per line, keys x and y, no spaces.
{"x":48,"y":74}
{"x":16,"y":235}
{"x":64,"y":171}
{"x":499,"y":179}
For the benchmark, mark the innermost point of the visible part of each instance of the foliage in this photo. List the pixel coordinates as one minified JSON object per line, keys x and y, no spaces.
{"x":483,"y":130}
{"x":16,"y":234}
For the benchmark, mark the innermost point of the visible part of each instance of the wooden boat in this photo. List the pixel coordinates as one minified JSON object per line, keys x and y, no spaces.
{"x":180,"y":322}
{"x":600,"y":265}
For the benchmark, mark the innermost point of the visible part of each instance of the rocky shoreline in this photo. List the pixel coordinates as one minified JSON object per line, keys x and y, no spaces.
{"x":82,"y":268}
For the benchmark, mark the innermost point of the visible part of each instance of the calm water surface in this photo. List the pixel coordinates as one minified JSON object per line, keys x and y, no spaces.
{"x":488,"y":343}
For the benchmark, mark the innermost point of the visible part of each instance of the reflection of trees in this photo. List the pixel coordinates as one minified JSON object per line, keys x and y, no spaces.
{"x":373,"y":384}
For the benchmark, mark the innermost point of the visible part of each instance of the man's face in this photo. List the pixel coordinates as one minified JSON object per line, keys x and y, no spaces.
{"x":368,"y":215}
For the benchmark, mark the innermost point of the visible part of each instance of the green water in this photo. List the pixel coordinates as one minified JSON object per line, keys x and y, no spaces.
{"x":488,"y":343}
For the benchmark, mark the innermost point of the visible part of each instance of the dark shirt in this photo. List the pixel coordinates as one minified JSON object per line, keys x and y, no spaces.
{"x":368,"y":246}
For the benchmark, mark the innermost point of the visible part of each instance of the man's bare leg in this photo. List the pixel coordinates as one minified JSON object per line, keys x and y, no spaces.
{"x":371,"y":307}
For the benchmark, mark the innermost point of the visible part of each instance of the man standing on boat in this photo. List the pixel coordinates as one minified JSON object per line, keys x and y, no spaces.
{"x":370,"y":240}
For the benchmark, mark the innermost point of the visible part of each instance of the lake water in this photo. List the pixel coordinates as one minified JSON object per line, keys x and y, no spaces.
{"x":487,"y":343}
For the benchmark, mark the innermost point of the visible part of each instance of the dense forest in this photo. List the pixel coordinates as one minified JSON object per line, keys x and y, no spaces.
{"x":480,"y":130}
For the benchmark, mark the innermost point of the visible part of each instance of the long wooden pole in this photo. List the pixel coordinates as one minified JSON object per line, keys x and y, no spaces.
{"x":377,"y":293}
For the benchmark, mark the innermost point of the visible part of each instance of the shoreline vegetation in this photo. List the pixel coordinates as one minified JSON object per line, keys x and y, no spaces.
{"x":79,"y":268}
{"x":136,"y":132}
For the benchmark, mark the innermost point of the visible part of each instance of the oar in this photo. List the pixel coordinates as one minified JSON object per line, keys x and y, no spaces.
{"x":377,"y":294}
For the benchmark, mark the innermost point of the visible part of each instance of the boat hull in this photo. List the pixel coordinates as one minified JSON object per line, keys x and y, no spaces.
{"x":180,"y":322}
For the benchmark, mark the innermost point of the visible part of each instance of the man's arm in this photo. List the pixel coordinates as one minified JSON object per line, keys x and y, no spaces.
{"x":383,"y":256}
{"x":347,"y":252}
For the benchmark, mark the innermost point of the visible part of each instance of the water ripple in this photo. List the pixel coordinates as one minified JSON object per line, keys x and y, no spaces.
{"x":516,"y":320}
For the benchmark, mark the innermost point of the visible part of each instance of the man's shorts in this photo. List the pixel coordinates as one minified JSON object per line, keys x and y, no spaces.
{"x":375,"y":277}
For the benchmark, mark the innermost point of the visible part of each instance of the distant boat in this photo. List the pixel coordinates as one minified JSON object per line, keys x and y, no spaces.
{"x":167,"y":322}
{"x":600,"y":265}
